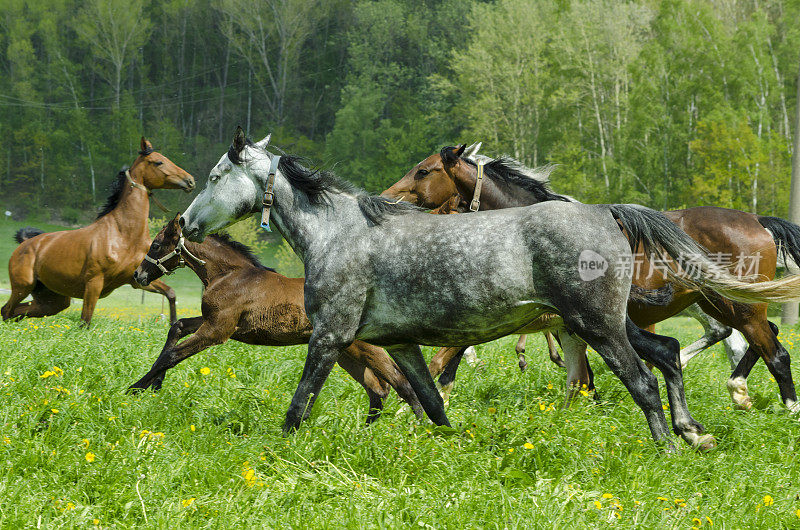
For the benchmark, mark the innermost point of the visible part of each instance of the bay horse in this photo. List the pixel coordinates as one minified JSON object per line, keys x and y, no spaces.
{"x":451,"y":175}
{"x":390,"y":274}
{"x":250,"y":303}
{"x":93,"y":261}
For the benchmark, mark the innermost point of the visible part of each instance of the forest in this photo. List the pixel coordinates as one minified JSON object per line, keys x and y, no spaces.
{"x":669,"y":103}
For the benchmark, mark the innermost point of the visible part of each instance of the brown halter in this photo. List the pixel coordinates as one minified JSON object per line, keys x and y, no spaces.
{"x":147,"y":191}
{"x":475,"y":205}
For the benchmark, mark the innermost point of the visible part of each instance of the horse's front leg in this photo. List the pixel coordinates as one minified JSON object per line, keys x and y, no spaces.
{"x":324,"y":350}
{"x":91,"y":293}
{"x":157,"y":286}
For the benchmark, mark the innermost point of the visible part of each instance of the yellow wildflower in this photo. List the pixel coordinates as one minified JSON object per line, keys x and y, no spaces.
{"x":607,"y":496}
{"x":205,"y":370}
{"x":90,"y":457}
{"x":95,"y":522}
{"x":528,"y":445}
{"x":598,"y":505}
{"x":768,"y":500}
{"x":492,"y":410}
{"x":542,"y":406}
{"x":188,"y":502}
{"x":54,"y":411}
{"x":191,"y":428}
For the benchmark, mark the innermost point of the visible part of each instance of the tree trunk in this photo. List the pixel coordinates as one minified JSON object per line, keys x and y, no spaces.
{"x":789,"y":313}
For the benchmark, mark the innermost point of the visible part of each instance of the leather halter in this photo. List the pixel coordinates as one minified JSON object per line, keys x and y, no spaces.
{"x":475,"y":205}
{"x":144,"y":188}
{"x":179,"y":250}
{"x":269,"y":196}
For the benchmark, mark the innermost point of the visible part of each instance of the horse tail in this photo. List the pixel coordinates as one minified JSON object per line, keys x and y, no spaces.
{"x":786,"y":236}
{"x":26,"y":233}
{"x":661,"y":238}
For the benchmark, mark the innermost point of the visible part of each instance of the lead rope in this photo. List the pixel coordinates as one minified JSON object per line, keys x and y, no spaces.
{"x":475,"y":205}
{"x":147,"y":191}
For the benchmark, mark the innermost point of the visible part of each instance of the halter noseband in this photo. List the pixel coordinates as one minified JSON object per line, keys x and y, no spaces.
{"x":179,"y":250}
{"x":475,"y":205}
{"x":269,"y":196}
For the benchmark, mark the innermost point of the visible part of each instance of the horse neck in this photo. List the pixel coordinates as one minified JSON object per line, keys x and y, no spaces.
{"x":133,"y":209}
{"x":219,"y":259}
{"x":306,"y":226}
{"x":495,"y":194}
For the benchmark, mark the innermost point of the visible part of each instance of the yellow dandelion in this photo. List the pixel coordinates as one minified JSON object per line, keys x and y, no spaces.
{"x":598,"y":505}
{"x":95,"y":522}
{"x":768,"y":500}
{"x":205,"y":370}
{"x":492,"y":410}
{"x":6,"y":440}
{"x":549,"y":386}
{"x":528,"y":445}
{"x":542,"y":406}
{"x":54,"y":411}
{"x":186,"y":385}
{"x":112,"y":418}
{"x":511,"y":450}
{"x":90,"y":457}
{"x":607,"y":496}
{"x":192,"y":428}
{"x":187,"y":502}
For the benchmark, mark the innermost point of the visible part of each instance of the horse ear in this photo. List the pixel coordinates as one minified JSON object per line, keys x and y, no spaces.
{"x":265,"y":142}
{"x":145,"y":145}
{"x":450,"y":155}
{"x":239,"y":139}
{"x":472,"y":150}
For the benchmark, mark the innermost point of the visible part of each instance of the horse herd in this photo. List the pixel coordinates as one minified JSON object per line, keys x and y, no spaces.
{"x":383,"y":276}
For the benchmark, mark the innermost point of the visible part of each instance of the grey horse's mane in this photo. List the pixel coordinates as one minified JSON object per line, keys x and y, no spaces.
{"x":318,"y":183}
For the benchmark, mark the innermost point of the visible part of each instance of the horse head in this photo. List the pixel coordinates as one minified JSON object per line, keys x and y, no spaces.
{"x":156,"y":171}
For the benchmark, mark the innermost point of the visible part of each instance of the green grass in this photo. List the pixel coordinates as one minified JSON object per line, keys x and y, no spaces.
{"x":207,"y":450}
{"x":200,"y":437}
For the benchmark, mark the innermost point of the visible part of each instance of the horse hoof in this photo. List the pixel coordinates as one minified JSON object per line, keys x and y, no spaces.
{"x":522,"y":366}
{"x":744,"y":405}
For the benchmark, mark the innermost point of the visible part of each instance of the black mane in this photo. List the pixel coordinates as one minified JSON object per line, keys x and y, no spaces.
{"x":239,"y":248}
{"x":316,"y":184}
{"x":504,"y":169}
{"x":116,"y":188}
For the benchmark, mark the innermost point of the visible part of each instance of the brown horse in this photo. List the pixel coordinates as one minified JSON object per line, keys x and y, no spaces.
{"x":247,"y":302}
{"x":92,"y":261}
{"x":737,"y":238}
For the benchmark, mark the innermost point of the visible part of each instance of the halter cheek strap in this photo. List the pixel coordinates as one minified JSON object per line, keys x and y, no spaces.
{"x":269,"y":196}
{"x":475,"y":205}
{"x":179,"y":250}
{"x":149,"y":193}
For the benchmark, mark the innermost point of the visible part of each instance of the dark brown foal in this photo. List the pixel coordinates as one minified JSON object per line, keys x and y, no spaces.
{"x":247,"y":302}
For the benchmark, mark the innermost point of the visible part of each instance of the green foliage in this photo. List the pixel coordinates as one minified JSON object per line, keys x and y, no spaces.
{"x":248,"y":232}
{"x":287,"y":262}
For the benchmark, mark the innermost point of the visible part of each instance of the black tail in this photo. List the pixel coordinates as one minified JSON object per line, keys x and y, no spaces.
{"x":786,"y":236}
{"x":27,"y":233}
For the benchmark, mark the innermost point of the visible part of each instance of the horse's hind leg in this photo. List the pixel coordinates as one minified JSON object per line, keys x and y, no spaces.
{"x":377,"y":390}
{"x":552,"y":350}
{"x":448,"y":378}
{"x":412,"y":363}
{"x":520,"y":349}
{"x":45,"y":303}
{"x":663,"y":353}
{"x":610,"y":341}
{"x":713,"y":332}
{"x":157,"y":286}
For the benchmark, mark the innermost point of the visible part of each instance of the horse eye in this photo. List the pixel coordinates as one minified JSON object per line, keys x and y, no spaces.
{"x":155,"y":246}
{"x":213,"y":178}
{"x":157,"y":163}
{"x":422,"y":173}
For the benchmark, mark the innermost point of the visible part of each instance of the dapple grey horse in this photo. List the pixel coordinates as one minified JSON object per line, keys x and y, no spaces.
{"x":392,"y":275}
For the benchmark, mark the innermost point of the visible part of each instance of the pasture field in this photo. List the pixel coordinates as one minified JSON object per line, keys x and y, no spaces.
{"x":207,"y":450}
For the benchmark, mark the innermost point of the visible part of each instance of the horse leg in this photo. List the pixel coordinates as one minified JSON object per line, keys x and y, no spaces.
{"x":735,"y":347}
{"x":576,"y":363}
{"x":552,"y":348}
{"x":440,"y":360}
{"x":179,"y":329}
{"x":379,"y":362}
{"x":520,"y":349}
{"x":663,"y":353}
{"x":207,"y":335}
{"x":377,"y":389}
{"x":157,"y":286}
{"x":412,"y":363}
{"x":610,"y":340}
{"x":324,"y":350}
{"x":45,"y":303}
{"x":448,"y":377}
{"x":762,"y":335}
{"x":713,"y":332}
{"x":91,"y":293}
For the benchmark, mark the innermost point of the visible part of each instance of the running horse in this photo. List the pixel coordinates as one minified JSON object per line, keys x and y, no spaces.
{"x":93,"y":261}
{"x":452,"y":176}
{"x":392,"y":275}
{"x":250,"y":303}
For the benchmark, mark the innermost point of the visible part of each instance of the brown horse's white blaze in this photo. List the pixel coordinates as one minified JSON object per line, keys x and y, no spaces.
{"x":91,"y":262}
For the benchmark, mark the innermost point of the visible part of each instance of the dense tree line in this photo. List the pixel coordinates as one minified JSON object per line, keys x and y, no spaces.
{"x":668,"y":103}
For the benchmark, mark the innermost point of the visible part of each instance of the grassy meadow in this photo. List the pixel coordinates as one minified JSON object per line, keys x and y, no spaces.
{"x":207,"y":450}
